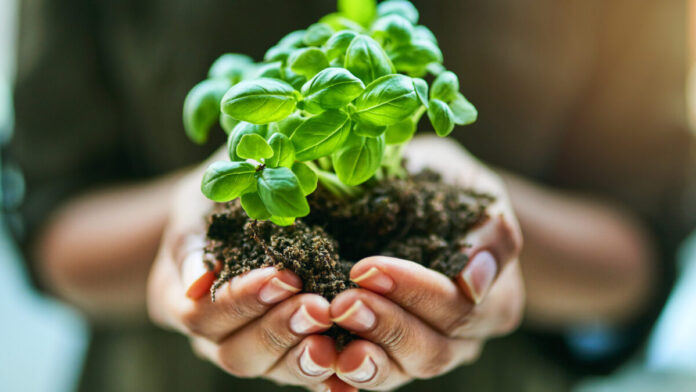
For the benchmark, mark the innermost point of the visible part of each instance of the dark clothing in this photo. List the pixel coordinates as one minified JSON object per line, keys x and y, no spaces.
{"x":583,"y":95}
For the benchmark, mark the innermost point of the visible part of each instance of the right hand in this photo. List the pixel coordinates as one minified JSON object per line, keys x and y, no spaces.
{"x":258,"y":325}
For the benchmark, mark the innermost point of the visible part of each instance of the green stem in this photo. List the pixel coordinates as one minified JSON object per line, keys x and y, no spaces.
{"x":331,"y":182}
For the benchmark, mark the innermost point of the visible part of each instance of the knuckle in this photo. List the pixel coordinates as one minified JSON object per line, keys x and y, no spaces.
{"x":274,"y":341}
{"x":511,"y":235}
{"x":193,"y":320}
{"x":235,"y":366}
{"x":458,"y":324}
{"x":393,"y":338}
{"x":415,"y":298}
{"x":436,"y":362}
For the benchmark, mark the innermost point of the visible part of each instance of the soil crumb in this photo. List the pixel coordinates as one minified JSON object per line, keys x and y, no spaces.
{"x":420,"y":218}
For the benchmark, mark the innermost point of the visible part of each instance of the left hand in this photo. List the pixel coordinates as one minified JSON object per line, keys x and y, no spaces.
{"x":417,"y":323}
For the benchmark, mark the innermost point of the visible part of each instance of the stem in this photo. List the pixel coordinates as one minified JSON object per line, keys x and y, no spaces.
{"x":393,"y":155}
{"x":331,"y":182}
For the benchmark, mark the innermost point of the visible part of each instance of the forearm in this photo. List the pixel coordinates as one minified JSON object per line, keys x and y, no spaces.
{"x":97,"y":249}
{"x":583,"y":260}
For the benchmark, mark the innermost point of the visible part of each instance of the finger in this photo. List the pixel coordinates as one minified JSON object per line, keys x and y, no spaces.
{"x":493,"y":245}
{"x":310,"y":363}
{"x":427,"y":294}
{"x":417,"y":348}
{"x":255,"y":348}
{"x":365,"y":365}
{"x":237,"y":302}
{"x":502,"y":310}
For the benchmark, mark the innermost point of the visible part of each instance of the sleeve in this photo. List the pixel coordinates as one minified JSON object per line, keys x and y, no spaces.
{"x":66,"y":121}
{"x":628,"y":138}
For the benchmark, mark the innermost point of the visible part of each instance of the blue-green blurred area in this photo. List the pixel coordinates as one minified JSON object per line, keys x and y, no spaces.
{"x":42,"y":343}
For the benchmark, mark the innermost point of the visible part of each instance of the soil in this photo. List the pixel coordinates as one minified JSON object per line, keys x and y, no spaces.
{"x":419,"y":218}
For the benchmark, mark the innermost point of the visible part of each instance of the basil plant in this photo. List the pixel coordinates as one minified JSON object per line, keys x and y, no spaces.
{"x":333,"y":104}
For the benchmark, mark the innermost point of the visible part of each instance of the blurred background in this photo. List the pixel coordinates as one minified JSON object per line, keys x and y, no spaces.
{"x":43,"y":343}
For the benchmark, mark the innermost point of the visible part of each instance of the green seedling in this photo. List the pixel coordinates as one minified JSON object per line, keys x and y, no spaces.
{"x":333,"y":105}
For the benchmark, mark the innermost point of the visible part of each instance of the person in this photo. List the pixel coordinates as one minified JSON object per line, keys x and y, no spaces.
{"x":582,"y":117}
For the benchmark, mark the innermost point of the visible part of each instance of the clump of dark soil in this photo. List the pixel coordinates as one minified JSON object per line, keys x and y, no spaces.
{"x":420,"y":219}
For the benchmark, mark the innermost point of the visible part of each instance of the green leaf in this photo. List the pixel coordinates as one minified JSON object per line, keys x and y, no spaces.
{"x":308,"y":61}
{"x":306,"y":176}
{"x":463,"y":111}
{"x":421,"y":87}
{"x":400,"y":132}
{"x":283,"y":151}
{"x":358,"y":159}
{"x":288,"y":125}
{"x":361,"y":11}
{"x":282,"y":220}
{"x":285,"y":46}
{"x":320,"y":135}
{"x":202,"y":108}
{"x":445,"y":87}
{"x":224,"y":181}
{"x":281,"y":193}
{"x":332,"y":88}
{"x":422,"y":32}
{"x":242,"y":129}
{"x":277,"y":53}
{"x":414,"y":58}
{"x":260,"y":101}
{"x":392,"y":29}
{"x":227,"y":123}
{"x":339,"y":22}
{"x":254,"y":147}
{"x":402,"y":8}
{"x":295,"y":80}
{"x":253,"y":205}
{"x":317,"y":34}
{"x":337,"y":45}
{"x":387,"y":101}
{"x":294,"y":39}
{"x":366,"y":59}
{"x":441,"y":117}
{"x":369,"y":130}
{"x":232,"y":66}
{"x":269,"y":70}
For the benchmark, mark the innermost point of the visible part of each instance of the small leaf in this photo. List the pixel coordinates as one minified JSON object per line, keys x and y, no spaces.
{"x":227,"y":123}
{"x":320,"y":135}
{"x":224,"y":181}
{"x":232,"y":66}
{"x":202,"y":108}
{"x":441,"y":117}
{"x":392,"y":29}
{"x":282,"y":220}
{"x":260,"y":101}
{"x":422,"y":32}
{"x":400,"y":132}
{"x":285,"y":46}
{"x":288,"y":125}
{"x":339,"y":22}
{"x":463,"y":111}
{"x":358,"y":159}
{"x":366,"y":59}
{"x":281,"y":193}
{"x":269,"y":70}
{"x":283,"y":151}
{"x":337,"y":45}
{"x":253,"y":146}
{"x":361,"y":11}
{"x":387,"y":101}
{"x":277,"y":53}
{"x":242,"y":129}
{"x":332,"y":88}
{"x":294,"y":39}
{"x":308,"y":61}
{"x":414,"y":58}
{"x":253,"y":205}
{"x":306,"y":176}
{"x":421,"y":87}
{"x":445,"y":87}
{"x":402,"y":8}
{"x":295,"y":80}
{"x":369,"y":130}
{"x":317,"y":34}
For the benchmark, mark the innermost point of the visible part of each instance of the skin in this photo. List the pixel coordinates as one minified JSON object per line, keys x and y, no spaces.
{"x":414,"y":323}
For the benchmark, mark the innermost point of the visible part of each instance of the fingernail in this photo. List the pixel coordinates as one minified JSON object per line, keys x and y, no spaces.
{"x":309,"y":367}
{"x":303,"y":323}
{"x":375,"y":280}
{"x":358,"y":317}
{"x":364,"y":372}
{"x":479,"y":275}
{"x":193,"y":267}
{"x":275,"y":290}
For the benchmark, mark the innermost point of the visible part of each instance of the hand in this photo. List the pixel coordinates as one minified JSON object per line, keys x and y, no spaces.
{"x":258,"y":326}
{"x":417,"y":323}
